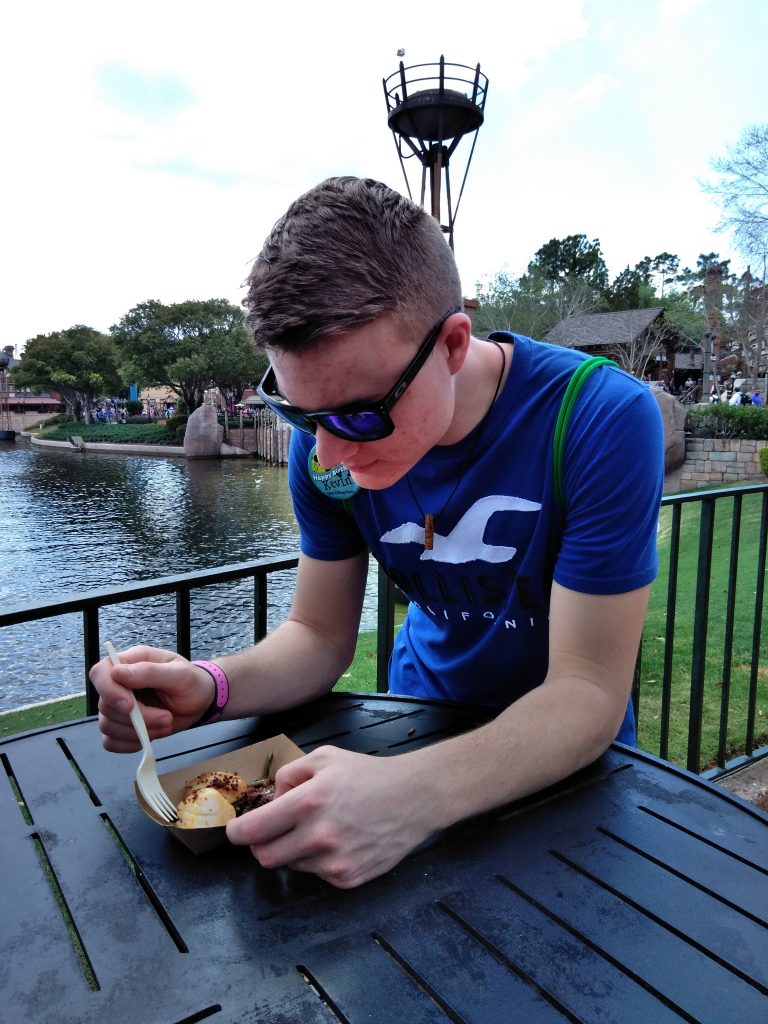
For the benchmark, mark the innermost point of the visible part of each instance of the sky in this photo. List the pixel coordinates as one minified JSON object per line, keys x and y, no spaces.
{"x":148,"y":148}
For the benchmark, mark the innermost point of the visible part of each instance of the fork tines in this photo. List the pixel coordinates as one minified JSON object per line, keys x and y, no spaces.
{"x":162,"y":804}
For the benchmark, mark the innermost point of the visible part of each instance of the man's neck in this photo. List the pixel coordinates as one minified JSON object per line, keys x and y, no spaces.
{"x":476,"y":384}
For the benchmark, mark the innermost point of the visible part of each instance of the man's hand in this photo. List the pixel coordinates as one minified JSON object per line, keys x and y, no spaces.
{"x":174,"y":695}
{"x":346,"y":817}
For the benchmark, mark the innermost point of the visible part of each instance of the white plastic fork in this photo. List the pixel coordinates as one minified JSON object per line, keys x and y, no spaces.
{"x":147,"y":782}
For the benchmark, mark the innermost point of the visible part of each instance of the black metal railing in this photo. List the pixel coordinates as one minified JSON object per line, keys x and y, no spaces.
{"x":702,"y":654}
{"x":90,"y":604}
{"x":700,"y":690}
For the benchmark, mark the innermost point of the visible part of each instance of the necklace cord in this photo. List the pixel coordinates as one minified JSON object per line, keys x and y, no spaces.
{"x":430,"y":518}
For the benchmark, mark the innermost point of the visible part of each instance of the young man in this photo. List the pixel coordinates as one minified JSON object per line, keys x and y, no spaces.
{"x":432,"y":449}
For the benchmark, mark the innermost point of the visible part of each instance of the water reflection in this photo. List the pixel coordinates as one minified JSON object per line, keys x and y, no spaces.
{"x":74,"y":522}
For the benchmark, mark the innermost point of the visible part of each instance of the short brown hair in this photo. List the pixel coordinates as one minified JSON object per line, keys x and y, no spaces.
{"x":344,"y":254}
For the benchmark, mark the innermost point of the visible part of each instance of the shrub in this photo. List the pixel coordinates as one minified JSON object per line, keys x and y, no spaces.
{"x":180,"y":432}
{"x":764,"y":460}
{"x":134,"y":408}
{"x":175,"y":423}
{"x":740,"y":421}
{"x":58,"y":419}
{"x":127,"y":433}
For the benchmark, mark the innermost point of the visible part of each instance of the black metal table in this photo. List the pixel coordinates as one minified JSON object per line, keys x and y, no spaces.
{"x":632,"y":891}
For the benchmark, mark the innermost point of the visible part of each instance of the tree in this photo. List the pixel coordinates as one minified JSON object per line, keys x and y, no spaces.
{"x":571,"y":257}
{"x":235,"y":367}
{"x":639,"y":350}
{"x":564,"y":278}
{"x":742,"y":190}
{"x":683,"y":318}
{"x":508,"y":303}
{"x":625,"y":291}
{"x":665,"y":267}
{"x":79,"y":363}
{"x":568,"y":277}
{"x":745,"y":325}
{"x":187,"y":347}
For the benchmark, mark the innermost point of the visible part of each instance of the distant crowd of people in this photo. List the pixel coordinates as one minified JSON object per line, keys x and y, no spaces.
{"x":721,"y":392}
{"x":161,"y":410}
{"x":112,"y":412}
{"x":686,"y":391}
{"x":736,"y":397}
{"x":107,"y":413}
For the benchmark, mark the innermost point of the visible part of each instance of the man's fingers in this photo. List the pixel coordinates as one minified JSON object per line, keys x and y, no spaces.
{"x":262,"y":825}
{"x":294,"y":774}
{"x":141,"y":652}
{"x":118,"y":732}
{"x":118,"y":736}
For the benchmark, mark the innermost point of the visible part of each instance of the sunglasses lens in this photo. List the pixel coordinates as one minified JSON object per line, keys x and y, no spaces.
{"x":357,"y":426}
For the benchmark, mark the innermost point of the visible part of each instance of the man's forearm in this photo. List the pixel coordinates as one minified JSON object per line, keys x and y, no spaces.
{"x":529,"y":746}
{"x":292,"y":665}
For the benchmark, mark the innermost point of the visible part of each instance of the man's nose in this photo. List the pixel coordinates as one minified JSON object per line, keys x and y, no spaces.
{"x":331,"y":450}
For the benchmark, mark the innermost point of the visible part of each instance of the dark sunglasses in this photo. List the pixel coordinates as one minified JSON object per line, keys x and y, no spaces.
{"x":359,"y":421}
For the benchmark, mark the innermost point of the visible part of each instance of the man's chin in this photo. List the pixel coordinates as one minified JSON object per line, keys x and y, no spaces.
{"x":377,"y":476}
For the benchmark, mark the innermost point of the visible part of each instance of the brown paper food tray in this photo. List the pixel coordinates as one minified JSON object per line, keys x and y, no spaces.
{"x":247,"y":761}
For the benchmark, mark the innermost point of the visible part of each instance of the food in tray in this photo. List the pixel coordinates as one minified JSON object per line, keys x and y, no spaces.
{"x":205,"y":808}
{"x":214,"y":798}
{"x":229,"y":784}
{"x":256,"y":795}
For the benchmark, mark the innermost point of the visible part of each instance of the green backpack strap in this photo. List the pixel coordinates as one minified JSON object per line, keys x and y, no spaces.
{"x":572,"y":392}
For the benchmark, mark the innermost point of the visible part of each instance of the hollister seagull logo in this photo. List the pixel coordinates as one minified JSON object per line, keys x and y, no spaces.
{"x":465,"y":541}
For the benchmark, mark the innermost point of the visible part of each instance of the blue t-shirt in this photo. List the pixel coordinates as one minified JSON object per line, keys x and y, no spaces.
{"x":477,"y":627}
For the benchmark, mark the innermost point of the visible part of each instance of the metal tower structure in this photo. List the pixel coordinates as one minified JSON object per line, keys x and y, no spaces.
{"x":431,"y":107}
{"x":7,"y":433}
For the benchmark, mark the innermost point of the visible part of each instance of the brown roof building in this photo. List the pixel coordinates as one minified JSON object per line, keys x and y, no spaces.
{"x":604,"y":330}
{"x":640,"y":340}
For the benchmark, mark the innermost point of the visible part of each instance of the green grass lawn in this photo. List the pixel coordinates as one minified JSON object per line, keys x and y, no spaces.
{"x":40,"y":715}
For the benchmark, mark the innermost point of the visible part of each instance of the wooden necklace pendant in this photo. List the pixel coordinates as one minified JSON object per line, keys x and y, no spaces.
{"x":429,"y":531}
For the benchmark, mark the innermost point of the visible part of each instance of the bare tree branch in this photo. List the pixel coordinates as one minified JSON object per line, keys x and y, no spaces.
{"x":742,"y":190}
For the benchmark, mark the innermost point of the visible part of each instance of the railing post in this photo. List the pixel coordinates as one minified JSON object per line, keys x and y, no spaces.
{"x":701,"y":616}
{"x":183,"y":624}
{"x":259,"y":608}
{"x":385,"y":631}
{"x":637,"y":676}
{"x":91,"y":654}
{"x":730,"y":618}
{"x":669,"y":633}
{"x":757,"y":626}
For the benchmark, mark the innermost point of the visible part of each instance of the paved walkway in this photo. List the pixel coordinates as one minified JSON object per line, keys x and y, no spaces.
{"x":750,"y":783}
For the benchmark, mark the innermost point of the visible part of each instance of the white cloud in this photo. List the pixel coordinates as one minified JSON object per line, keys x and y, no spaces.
{"x":594,"y":89}
{"x":679,"y":8}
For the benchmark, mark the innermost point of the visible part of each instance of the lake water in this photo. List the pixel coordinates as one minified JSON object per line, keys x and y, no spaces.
{"x":75,"y":522}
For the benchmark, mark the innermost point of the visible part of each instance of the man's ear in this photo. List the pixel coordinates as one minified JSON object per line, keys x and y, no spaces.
{"x":455,"y":338}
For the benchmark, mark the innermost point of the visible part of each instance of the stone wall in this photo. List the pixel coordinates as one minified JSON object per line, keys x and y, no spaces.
{"x":716,"y":460}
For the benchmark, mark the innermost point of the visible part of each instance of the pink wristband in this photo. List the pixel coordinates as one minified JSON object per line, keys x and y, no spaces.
{"x":220,"y":697}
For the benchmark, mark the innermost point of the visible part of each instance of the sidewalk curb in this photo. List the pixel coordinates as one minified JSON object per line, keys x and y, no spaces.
{"x":107,"y":446}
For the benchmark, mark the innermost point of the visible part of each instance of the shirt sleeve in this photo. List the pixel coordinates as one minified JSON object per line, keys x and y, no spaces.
{"x":327,"y":528}
{"x":613,"y":474}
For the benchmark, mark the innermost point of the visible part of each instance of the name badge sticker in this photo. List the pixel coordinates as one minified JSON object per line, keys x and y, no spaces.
{"x":335,"y":483}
